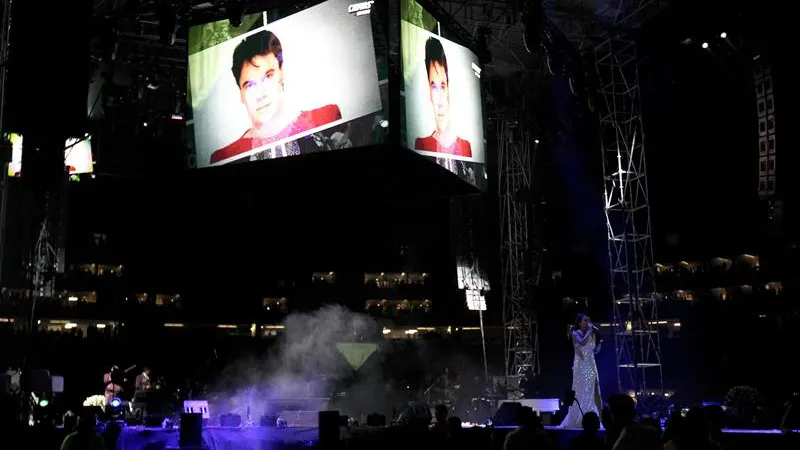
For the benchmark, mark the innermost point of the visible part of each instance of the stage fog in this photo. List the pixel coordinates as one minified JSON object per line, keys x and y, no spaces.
{"x":333,"y":358}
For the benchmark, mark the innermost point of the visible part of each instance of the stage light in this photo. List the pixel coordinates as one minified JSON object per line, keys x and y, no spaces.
{"x":384,"y":124}
{"x":44,"y":402}
{"x":535,"y":141}
{"x":115,"y":403}
{"x":705,"y":45}
{"x":723,"y":35}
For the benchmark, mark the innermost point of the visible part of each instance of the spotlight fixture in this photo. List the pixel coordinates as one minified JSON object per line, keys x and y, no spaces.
{"x":723,"y":35}
{"x":705,"y":45}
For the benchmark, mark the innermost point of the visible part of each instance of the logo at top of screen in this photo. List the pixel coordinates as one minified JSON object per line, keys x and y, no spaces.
{"x":476,"y":69}
{"x":360,"y":9}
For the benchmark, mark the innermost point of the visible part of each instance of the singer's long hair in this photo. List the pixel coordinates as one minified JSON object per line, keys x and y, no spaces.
{"x":577,"y":324}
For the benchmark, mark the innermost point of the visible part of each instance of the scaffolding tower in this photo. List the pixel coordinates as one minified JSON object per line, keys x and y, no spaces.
{"x":519,"y":261}
{"x":627,"y":209}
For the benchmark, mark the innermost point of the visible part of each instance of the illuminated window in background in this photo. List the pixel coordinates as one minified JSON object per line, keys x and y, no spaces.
{"x":392,"y":307}
{"x":774,"y":286}
{"x":663,"y":268}
{"x":105,"y":269}
{"x":720,"y":293}
{"x":323,"y":277}
{"x":73,"y":298}
{"x":275,"y":304}
{"x":168,"y":300}
{"x":387,"y":280}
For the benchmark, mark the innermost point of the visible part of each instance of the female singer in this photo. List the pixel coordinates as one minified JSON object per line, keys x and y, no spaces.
{"x":585,"y":382}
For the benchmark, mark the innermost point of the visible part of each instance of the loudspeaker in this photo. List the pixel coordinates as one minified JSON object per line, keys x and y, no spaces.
{"x":48,"y":68}
{"x":191,"y":431}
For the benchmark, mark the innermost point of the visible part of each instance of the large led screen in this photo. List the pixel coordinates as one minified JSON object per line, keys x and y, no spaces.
{"x":77,"y":155}
{"x":283,"y":86}
{"x":442,"y":92}
{"x":15,"y":166}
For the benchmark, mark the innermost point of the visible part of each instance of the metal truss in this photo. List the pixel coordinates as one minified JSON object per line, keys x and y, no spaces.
{"x":521,"y":337}
{"x":500,"y":21}
{"x":43,"y":268}
{"x":630,"y":248}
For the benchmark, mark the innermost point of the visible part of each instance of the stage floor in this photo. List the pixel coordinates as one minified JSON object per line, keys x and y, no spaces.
{"x":247,"y":438}
{"x":140,"y":438}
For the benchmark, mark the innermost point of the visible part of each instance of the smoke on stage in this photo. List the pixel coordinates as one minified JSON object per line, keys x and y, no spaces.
{"x":305,"y":363}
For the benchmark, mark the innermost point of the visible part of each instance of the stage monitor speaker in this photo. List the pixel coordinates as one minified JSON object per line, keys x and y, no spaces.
{"x":328,"y":428}
{"x":191,"y":431}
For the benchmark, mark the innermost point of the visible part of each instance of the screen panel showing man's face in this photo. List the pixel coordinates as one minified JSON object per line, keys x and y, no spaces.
{"x":258,"y":93}
{"x":439,"y":83}
{"x":260,"y":78}
{"x":261,"y":85}
{"x":440,"y":95}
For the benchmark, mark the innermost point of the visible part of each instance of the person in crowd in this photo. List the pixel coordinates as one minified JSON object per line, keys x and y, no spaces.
{"x":622,"y":430}
{"x":696,"y":433}
{"x":674,"y":425}
{"x":85,"y":436}
{"x":529,"y":435}
{"x":588,"y":439}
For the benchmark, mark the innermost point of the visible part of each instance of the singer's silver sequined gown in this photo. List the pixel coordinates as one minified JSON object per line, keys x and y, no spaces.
{"x":585,"y":383}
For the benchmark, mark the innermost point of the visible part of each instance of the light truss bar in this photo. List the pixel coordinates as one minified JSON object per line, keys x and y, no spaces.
{"x":630,"y":251}
{"x":521,"y":333}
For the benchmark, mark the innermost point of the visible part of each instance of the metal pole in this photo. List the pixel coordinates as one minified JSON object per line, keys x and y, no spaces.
{"x":3,"y":215}
{"x":483,"y":343}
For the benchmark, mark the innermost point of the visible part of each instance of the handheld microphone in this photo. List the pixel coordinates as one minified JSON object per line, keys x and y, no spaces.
{"x":595,"y":328}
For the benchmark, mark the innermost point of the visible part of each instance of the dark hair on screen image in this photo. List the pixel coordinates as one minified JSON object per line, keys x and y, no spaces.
{"x":262,"y":43}
{"x":434,"y":53}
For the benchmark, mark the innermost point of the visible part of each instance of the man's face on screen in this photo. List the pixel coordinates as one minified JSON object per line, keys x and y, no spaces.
{"x":440,"y":95}
{"x":261,"y":86}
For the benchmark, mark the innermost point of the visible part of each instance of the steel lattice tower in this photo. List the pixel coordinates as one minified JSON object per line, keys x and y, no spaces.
{"x":630,"y":247}
{"x":520,"y":327}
